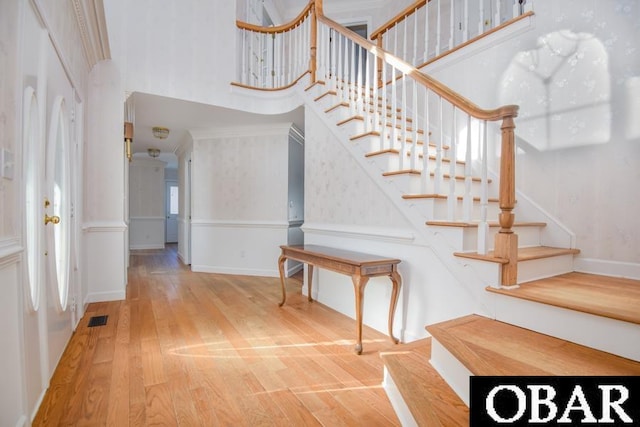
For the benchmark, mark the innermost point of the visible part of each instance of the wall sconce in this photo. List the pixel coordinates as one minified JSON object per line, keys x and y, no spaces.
{"x":160,"y":132}
{"x":129,"y":118}
{"x":128,"y":138}
{"x":153,"y":152}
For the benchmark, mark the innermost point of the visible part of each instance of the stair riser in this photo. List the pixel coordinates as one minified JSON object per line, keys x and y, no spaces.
{"x":437,"y":209}
{"x":465,"y":239}
{"x":416,"y":184}
{"x":609,"y":335}
{"x":544,"y":267}
{"x":388,"y":162}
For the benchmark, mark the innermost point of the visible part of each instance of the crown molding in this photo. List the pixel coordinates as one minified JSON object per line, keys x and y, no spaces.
{"x":93,"y":30}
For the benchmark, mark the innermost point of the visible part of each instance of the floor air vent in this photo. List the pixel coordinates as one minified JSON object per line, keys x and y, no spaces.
{"x":98,"y":321}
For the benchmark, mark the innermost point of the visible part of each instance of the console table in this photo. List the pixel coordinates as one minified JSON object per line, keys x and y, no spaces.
{"x":355,"y":264}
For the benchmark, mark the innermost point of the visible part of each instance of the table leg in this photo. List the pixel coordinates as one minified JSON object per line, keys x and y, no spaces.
{"x":396,"y":281}
{"x":359,"y":282}
{"x":309,"y":281}
{"x":281,"y":269}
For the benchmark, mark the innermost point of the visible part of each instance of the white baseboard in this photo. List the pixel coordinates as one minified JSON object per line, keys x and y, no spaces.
{"x":150,"y":246}
{"x":235,"y":271}
{"x":627,"y":270}
{"x":104,"y":296}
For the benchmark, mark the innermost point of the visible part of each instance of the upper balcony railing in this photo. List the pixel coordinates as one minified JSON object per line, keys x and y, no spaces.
{"x":411,"y":113}
{"x":430,"y":29}
{"x":275,"y":57}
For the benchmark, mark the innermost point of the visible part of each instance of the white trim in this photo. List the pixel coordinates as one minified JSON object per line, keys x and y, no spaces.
{"x":274,"y":129}
{"x":200,"y":223}
{"x":604,"y":267}
{"x":451,"y":370}
{"x":146,"y":218}
{"x":397,"y":401}
{"x":235,"y":271}
{"x":401,"y":235}
{"x":36,"y":407}
{"x":10,"y":252}
{"x":486,"y":42}
{"x":104,"y":227}
{"x":105,"y":296}
{"x":22,"y":421}
{"x":150,"y":246}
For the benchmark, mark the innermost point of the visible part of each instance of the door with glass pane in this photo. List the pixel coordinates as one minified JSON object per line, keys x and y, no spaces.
{"x":171,"y":233}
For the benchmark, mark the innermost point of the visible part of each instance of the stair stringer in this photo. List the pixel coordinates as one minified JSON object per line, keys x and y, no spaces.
{"x":471,"y":282}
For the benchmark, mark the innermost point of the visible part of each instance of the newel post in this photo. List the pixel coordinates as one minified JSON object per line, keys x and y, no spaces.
{"x":316,"y":11}
{"x":506,"y":243}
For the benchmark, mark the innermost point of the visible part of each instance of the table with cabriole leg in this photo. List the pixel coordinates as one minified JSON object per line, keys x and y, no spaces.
{"x":358,"y":265}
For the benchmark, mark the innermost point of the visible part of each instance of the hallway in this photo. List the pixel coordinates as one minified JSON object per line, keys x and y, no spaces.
{"x":207,"y":349}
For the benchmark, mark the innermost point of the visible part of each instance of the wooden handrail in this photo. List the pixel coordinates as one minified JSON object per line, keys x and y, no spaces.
{"x":446,"y":93}
{"x":399,"y":17}
{"x":278,"y":28}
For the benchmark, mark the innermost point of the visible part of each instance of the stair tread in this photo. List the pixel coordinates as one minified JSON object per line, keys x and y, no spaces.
{"x":606,"y":296}
{"x":429,"y":398}
{"x":524,"y":254}
{"x":467,"y":224}
{"x":490,"y":347}
{"x":441,"y":196}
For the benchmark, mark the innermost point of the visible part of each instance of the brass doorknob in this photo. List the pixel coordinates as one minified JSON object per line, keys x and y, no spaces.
{"x":53,"y":219}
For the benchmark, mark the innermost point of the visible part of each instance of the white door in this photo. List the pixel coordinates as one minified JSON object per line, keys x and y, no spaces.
{"x":171,"y":233}
{"x":57,"y":222}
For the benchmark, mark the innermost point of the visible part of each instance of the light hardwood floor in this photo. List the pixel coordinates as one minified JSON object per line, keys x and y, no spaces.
{"x":195,"y":349}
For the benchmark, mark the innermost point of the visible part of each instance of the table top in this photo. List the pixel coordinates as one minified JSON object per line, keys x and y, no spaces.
{"x":340,"y":255}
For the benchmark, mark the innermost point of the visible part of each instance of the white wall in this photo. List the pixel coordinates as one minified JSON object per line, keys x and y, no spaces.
{"x":240,"y":199}
{"x":578,"y":141}
{"x":146,"y":203}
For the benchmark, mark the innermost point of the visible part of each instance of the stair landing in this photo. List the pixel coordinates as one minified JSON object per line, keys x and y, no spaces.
{"x":490,"y":347}
{"x":612,"y":297}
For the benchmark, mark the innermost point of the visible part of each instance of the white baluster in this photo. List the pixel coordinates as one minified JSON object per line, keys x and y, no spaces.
{"x":373,"y":105}
{"x":394,"y":108}
{"x":403,"y":123}
{"x":467,"y":202}
{"x":405,"y":24}
{"x":465,"y":25}
{"x":334,"y":49}
{"x":425,"y":145}
{"x":366,"y":109}
{"x":483,"y":226}
{"x":383,"y":110}
{"x":415,"y":37}
{"x":496,"y":19}
{"x":452,"y":26}
{"x":438,"y":27}
{"x":352,"y":78}
{"x":414,"y":136}
{"x":439,"y":148}
{"x":453,"y":148}
{"x":481,"y":23}
{"x":426,"y":31}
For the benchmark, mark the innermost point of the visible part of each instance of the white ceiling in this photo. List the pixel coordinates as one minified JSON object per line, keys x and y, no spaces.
{"x":182,"y":116}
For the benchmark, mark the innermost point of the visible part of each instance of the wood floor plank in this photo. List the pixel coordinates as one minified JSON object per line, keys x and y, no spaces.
{"x":204,"y":349}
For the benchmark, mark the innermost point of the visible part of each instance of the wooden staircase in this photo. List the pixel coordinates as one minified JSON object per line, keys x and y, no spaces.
{"x":476,"y":345}
{"x":539,"y":324}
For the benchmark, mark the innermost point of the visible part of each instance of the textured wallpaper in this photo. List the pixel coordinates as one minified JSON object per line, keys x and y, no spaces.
{"x":337,"y":189}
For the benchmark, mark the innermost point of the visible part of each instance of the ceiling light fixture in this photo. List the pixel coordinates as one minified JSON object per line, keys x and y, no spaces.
{"x":160,"y":132}
{"x":153,"y":152}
